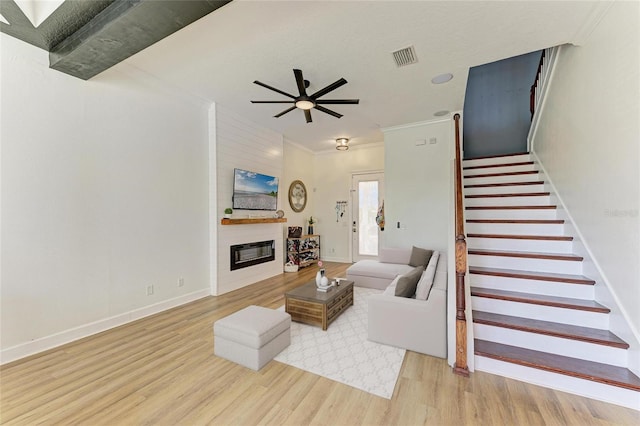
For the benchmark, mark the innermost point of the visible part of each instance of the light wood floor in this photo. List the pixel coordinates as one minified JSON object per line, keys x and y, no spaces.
{"x":161,"y":370}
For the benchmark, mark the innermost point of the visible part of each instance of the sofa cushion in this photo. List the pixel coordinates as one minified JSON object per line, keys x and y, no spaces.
{"x":373,"y":268}
{"x":420,"y":257}
{"x":406,"y":286}
{"x":426,"y":281}
{"x":391,"y":289}
{"x":394,"y":255}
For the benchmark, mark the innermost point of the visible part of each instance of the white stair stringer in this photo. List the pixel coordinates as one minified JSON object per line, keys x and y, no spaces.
{"x":503,"y":221}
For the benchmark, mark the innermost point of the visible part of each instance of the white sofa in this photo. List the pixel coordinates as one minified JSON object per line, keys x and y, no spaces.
{"x":416,"y":325}
{"x":379,"y":273}
{"x":409,"y":323}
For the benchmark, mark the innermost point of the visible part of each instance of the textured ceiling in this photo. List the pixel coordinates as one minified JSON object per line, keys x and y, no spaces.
{"x":219,"y":56}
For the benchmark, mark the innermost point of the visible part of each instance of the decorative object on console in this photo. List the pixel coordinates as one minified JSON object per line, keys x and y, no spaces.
{"x":227,"y":212}
{"x":310,"y":228}
{"x":295,"y":231}
{"x":297,"y":196}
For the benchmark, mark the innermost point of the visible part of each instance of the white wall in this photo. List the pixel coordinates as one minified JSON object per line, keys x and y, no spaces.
{"x":242,"y":144}
{"x":417,"y":181}
{"x":587,"y":141}
{"x":298,"y":165}
{"x":333,"y":171}
{"x":104,"y":192}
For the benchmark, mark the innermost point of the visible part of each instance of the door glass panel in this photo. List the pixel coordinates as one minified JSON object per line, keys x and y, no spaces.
{"x":367,"y":227}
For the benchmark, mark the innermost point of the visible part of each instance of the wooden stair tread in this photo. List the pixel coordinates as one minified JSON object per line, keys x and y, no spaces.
{"x":540,"y":299}
{"x":588,"y":370}
{"x":530,"y":275}
{"x":495,"y":156}
{"x":528,"y":172}
{"x":515,"y":194}
{"x":487,"y":185}
{"x":511,"y":207}
{"x":486,"y":166}
{"x":548,"y":328}
{"x":526,"y":254}
{"x":522,"y":237}
{"x":519,"y":221}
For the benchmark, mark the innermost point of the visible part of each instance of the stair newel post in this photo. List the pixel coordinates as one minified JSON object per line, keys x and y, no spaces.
{"x":460,"y":366}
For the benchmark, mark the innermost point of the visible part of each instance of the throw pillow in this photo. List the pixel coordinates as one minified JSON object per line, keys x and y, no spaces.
{"x":394,"y":255}
{"x":426,"y":281}
{"x":420,"y":257}
{"x":407,"y":283}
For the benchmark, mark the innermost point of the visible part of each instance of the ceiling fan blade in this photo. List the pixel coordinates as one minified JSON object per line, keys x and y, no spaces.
{"x":271,"y":102}
{"x":274,"y":89}
{"x":338,"y":101}
{"x":329,"y":88}
{"x":285,"y":111}
{"x":307,"y":115}
{"x":328,"y":111}
{"x":300,"y":82}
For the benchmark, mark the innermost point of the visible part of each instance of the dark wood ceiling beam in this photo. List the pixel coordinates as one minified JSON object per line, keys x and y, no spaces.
{"x":123,"y":29}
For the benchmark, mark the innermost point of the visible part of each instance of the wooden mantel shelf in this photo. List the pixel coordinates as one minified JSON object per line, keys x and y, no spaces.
{"x":248,"y":221}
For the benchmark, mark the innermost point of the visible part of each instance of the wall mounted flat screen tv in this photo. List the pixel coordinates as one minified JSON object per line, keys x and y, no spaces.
{"x":254,"y":191}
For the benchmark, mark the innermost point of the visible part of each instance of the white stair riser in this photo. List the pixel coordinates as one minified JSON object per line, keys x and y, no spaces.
{"x":543,"y":313}
{"x":548,"y":288}
{"x":551,"y":344}
{"x":508,"y":201}
{"x":540,"y":246}
{"x":511,"y":189}
{"x":528,"y":214}
{"x":498,"y":160}
{"x":526,"y":264}
{"x":514,"y":228}
{"x":612,"y":394}
{"x":529,"y":177}
{"x":498,"y":169}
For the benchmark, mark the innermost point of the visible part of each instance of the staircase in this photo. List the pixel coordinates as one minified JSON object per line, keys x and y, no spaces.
{"x":534,"y":314}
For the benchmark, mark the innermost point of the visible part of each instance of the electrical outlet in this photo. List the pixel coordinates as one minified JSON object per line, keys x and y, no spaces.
{"x":149,"y":290}
{"x":180,"y":282}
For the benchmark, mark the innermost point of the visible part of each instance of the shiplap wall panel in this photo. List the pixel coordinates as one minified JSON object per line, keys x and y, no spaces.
{"x":245,"y":145}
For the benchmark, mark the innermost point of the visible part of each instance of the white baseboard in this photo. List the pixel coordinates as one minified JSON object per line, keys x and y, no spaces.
{"x":336,"y":259}
{"x":45,"y":343}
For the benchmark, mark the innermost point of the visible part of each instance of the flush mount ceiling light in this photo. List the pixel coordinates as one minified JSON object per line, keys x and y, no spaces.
{"x":342,"y":144}
{"x":442,"y":78}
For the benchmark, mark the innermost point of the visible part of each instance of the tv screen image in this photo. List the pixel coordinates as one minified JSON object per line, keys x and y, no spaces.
{"x":254,"y":191}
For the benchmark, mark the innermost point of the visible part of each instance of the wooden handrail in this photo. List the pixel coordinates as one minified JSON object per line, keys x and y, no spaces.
{"x":460,"y":367}
{"x":534,"y":86}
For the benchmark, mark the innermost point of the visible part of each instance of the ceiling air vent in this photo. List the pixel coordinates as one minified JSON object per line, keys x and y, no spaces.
{"x":406,"y":56}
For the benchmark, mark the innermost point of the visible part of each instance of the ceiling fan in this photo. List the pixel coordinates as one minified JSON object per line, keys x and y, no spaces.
{"x":306,"y":102}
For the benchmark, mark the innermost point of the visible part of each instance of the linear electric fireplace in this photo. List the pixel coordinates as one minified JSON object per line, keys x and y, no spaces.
{"x":249,"y":254}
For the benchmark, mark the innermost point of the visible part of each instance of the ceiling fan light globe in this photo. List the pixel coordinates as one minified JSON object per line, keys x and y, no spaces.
{"x":305,"y":104}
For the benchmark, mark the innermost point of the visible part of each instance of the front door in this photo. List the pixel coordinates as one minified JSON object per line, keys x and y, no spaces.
{"x":367,"y":190}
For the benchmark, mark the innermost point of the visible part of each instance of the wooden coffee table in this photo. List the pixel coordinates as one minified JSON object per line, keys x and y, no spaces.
{"x":308,"y":305}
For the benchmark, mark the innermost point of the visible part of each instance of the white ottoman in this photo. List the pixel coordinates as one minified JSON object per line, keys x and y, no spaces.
{"x":252,"y":336}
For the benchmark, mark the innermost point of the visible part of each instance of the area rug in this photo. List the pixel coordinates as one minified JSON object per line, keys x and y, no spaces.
{"x":343,"y":353}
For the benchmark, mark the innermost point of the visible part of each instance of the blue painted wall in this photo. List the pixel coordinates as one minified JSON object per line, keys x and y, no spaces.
{"x":496,"y":106}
